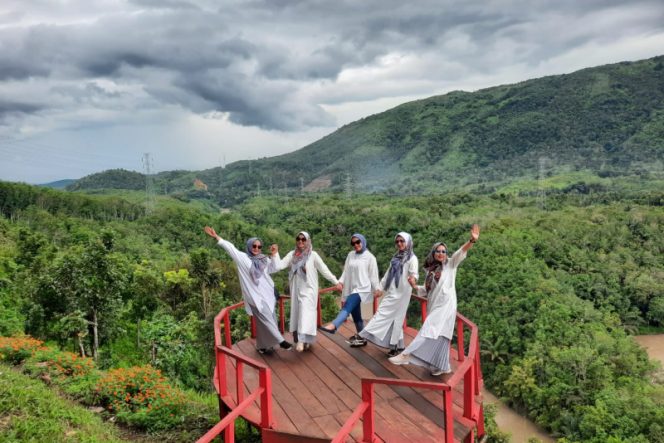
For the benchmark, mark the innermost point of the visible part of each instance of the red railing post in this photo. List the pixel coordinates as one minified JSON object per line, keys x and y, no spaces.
{"x":449,"y":419}
{"x":319,"y":317}
{"x":368,"y":416}
{"x":265,"y":382}
{"x":460,"y":344}
{"x":469,"y":393}
{"x":282,"y":315}
{"x":227,"y":329}
{"x":253,"y":327}
{"x":423,"y":308}
{"x":239,"y":381}
{"x":221,"y":372}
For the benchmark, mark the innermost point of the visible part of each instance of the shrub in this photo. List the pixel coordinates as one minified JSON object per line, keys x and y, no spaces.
{"x":16,"y":349}
{"x":142,"y":397}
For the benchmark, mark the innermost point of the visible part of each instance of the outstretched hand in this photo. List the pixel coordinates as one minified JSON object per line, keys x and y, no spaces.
{"x":211,"y":232}
{"x":475,"y":232}
{"x":274,"y":249}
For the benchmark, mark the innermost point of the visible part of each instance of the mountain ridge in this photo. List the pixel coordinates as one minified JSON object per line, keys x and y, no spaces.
{"x":608,"y":120}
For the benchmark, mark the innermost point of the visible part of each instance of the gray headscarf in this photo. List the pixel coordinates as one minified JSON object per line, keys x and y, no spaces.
{"x":398,"y":260}
{"x":258,"y":261}
{"x":299,"y":260}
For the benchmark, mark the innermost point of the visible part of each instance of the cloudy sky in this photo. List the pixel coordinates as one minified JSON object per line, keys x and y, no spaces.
{"x":89,"y":85}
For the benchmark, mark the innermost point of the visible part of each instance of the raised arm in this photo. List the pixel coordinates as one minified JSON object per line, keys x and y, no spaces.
{"x":324,"y":270}
{"x":235,"y":254}
{"x":276,"y":262}
{"x":474,"y":235}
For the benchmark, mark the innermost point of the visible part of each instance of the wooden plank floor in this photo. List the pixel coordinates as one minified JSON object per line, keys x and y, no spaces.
{"x":315,"y":392}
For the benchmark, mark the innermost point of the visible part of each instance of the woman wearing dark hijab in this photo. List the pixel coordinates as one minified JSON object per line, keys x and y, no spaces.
{"x":431,"y":346}
{"x":304,"y":265}
{"x":385,"y":328}
{"x":257,"y":290}
{"x":358,"y":283}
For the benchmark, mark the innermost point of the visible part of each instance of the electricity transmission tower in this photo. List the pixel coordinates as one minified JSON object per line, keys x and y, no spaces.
{"x":348,"y":186}
{"x":541,"y":192}
{"x":148,"y":166}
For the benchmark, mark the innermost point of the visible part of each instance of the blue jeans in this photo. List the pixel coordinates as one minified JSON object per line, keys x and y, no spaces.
{"x":351,"y":307}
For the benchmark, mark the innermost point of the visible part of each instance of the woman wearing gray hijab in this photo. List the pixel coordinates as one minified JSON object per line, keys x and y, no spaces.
{"x":431,"y":346}
{"x":304,"y":265}
{"x":257,"y":290}
{"x":385,"y":328}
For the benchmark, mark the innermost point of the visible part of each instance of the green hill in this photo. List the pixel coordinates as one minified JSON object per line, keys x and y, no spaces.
{"x":606,"y":121}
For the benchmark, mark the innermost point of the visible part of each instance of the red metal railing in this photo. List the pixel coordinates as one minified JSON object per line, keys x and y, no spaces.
{"x":264,"y":390}
{"x":468,"y":370}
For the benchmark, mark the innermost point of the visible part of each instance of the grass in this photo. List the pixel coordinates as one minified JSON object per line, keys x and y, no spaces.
{"x":30,"y":411}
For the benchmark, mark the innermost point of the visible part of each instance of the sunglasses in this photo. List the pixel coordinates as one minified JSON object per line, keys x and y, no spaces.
{"x":300,"y":239}
{"x":257,"y":246}
{"x":441,"y":251}
{"x":399,"y":240}
{"x":355,"y":242}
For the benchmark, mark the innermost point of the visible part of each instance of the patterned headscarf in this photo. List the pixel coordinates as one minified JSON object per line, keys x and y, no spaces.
{"x":362,"y":240}
{"x":300,"y":257}
{"x":398,"y":260}
{"x":433,"y":267}
{"x":258,"y":261}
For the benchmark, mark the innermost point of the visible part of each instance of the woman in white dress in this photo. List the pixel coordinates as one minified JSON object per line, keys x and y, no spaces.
{"x":257,"y":290}
{"x":304,"y":264}
{"x":431,"y":347}
{"x":385,"y":328}
{"x":358,"y":283}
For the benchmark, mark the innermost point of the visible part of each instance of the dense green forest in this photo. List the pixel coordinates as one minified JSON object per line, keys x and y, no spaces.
{"x":557,"y":283}
{"x":606,"y":121}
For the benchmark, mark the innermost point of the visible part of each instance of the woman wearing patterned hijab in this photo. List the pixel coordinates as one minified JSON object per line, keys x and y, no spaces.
{"x":431,"y":347}
{"x":357,"y":284}
{"x":257,"y":290}
{"x":304,"y":264}
{"x":385,"y":327}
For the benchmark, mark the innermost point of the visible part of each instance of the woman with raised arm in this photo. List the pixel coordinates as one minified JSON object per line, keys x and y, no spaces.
{"x":257,"y":290}
{"x":358,"y":282}
{"x":385,"y":328}
{"x":431,"y":347}
{"x":304,"y":264}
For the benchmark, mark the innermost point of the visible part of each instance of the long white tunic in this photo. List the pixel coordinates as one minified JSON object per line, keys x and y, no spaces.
{"x":442,"y":304}
{"x":260,"y":295}
{"x":392,"y":309}
{"x":303,"y":291}
{"x":360,"y":276}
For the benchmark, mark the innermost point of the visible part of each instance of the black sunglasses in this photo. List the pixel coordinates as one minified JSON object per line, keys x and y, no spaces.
{"x":300,"y":239}
{"x":399,"y":240}
{"x":355,"y":242}
{"x":441,"y":251}
{"x":257,"y":246}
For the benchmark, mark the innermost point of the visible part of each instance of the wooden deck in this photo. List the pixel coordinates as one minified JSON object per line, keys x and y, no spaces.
{"x":315,"y":392}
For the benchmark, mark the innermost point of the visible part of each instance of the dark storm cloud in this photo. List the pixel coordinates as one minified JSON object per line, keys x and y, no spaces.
{"x":273,"y":63}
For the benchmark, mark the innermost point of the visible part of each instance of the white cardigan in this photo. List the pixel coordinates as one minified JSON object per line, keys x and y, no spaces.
{"x":303,"y":291}
{"x":442,"y":304}
{"x":260,"y":295}
{"x":360,"y":276}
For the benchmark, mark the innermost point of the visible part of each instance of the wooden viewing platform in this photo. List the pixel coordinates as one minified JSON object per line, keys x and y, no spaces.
{"x":310,"y":396}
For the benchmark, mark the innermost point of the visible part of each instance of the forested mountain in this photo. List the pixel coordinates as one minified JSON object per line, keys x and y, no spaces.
{"x":607,"y":121}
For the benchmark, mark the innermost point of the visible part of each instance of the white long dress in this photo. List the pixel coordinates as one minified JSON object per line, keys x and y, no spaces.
{"x":304,"y":293}
{"x":386,"y":327}
{"x":258,"y":297}
{"x":431,"y":345}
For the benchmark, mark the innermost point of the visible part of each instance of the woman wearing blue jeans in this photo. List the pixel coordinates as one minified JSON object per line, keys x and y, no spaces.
{"x":358,"y":284}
